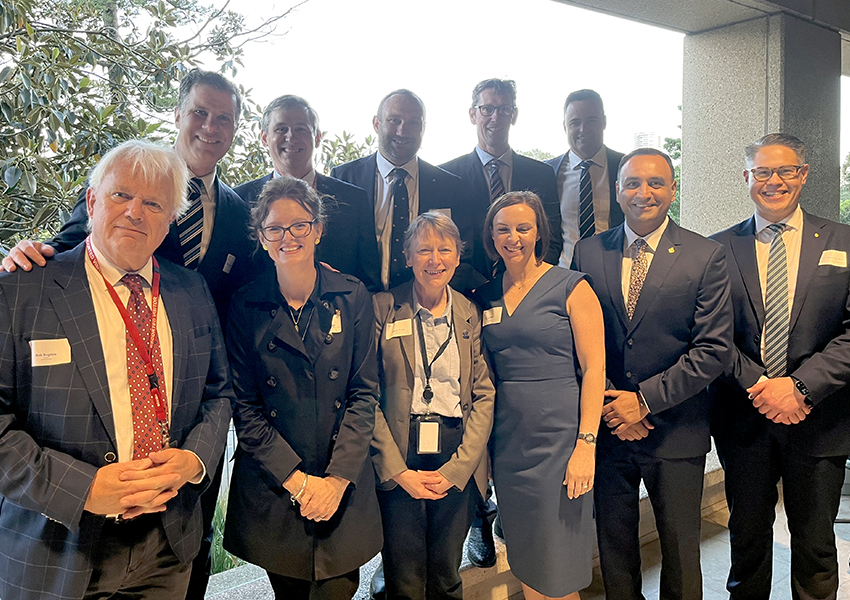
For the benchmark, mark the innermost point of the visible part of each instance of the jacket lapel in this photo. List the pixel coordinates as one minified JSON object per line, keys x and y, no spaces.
{"x":178,"y":313}
{"x":612,"y":263}
{"x":665,"y":256}
{"x":811,"y":247}
{"x":743,"y":248}
{"x":403,"y":307}
{"x":461,"y":321}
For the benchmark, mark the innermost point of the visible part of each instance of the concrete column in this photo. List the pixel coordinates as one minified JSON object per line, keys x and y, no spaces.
{"x":774,"y":73}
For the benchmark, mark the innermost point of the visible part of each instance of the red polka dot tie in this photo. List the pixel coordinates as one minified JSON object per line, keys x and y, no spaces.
{"x":147,"y":434}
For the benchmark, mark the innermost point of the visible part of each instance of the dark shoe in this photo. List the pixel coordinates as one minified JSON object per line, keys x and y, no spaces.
{"x":378,"y":588}
{"x":479,"y":547}
{"x":497,"y":526}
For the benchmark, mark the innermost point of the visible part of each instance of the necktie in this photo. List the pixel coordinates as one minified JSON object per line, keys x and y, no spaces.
{"x":637,"y":276}
{"x":776,"y":317}
{"x":586,"y":224}
{"x":497,"y":186}
{"x":147,"y":435}
{"x":401,"y":219}
{"x":191,"y":225}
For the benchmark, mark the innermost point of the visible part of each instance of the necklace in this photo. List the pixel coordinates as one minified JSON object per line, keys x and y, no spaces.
{"x":297,"y":319}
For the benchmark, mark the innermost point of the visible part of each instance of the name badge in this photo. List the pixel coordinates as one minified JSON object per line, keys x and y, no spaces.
{"x":429,"y":438}
{"x":400,"y":328}
{"x":833,"y":258}
{"x":336,"y":322}
{"x":228,"y":263}
{"x":46,"y":353}
{"x":492,"y":315}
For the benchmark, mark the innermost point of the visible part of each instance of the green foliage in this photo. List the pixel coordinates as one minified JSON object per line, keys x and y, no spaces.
{"x":673,"y":147}
{"x":222,"y":560}
{"x":537,"y":154}
{"x":343,"y":149}
{"x":77,"y":77}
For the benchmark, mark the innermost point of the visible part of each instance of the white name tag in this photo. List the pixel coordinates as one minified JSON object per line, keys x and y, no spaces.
{"x":429,"y":438}
{"x":401,"y":328}
{"x":492,"y":315}
{"x":336,"y":323}
{"x":228,"y":263}
{"x":833,"y":258}
{"x":46,"y":353}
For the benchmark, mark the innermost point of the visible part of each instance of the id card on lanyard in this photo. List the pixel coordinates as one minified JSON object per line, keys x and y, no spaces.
{"x":428,"y":438}
{"x":157,"y":394}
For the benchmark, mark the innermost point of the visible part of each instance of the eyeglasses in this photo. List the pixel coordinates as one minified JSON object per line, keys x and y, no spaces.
{"x":785,"y":172}
{"x":488,"y":109}
{"x":275,"y":233}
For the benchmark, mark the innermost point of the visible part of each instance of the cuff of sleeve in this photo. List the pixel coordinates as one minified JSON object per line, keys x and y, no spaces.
{"x":203,"y":474}
{"x":642,"y":400}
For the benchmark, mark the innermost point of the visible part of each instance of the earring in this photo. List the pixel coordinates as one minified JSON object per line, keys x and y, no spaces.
{"x":265,"y":247}
{"x":317,"y":241}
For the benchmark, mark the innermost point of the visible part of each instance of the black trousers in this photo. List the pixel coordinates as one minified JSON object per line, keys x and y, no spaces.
{"x":675,"y":492}
{"x":202,"y":565}
{"x":423,"y":539}
{"x":811,"y":491}
{"x":334,"y":588}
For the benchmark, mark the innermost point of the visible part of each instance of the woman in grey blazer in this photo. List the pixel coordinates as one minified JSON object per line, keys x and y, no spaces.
{"x":434,"y":416}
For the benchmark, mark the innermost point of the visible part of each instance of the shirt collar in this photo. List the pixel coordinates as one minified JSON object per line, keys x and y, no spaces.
{"x":114,"y":274}
{"x":385,"y":167}
{"x":418,"y":307}
{"x":209,"y":181}
{"x":309,"y":178}
{"x":507,"y":158}
{"x":652,"y":239}
{"x":794,"y":220}
{"x":599,"y":159}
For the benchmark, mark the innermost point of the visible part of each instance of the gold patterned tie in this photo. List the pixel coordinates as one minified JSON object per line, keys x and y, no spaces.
{"x":638,"y":274}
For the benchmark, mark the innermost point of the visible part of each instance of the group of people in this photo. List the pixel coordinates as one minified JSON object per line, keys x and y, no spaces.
{"x":390,"y":338}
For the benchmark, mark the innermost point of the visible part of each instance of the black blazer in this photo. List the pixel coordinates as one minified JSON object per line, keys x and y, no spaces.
{"x":818,"y":347}
{"x":229,"y":262}
{"x":527,"y":174}
{"x":615,"y":213}
{"x":438,"y":190}
{"x":348,"y":243}
{"x":679,"y":340}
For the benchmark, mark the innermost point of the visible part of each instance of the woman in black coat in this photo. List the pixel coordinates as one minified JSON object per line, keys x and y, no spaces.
{"x":302,"y":499}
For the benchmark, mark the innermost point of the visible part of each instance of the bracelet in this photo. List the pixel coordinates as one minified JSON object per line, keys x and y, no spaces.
{"x":294,"y":497}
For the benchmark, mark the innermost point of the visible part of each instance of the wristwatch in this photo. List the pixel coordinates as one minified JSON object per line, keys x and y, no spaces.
{"x":804,"y":391}
{"x":587,"y":437}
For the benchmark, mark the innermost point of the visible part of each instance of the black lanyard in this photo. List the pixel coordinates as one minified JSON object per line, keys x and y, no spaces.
{"x":427,"y":393}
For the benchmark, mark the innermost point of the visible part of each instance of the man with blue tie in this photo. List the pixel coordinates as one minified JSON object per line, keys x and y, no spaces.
{"x":782,"y":411}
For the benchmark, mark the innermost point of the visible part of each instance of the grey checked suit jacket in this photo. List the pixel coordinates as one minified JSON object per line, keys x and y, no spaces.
{"x":56,"y":425}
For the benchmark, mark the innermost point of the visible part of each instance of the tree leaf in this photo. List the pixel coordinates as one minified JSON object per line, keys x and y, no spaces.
{"x":12,"y":176}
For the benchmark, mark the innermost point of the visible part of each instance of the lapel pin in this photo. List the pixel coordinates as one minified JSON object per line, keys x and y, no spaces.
{"x":466,"y":335}
{"x":817,"y":234}
{"x":671,"y":249}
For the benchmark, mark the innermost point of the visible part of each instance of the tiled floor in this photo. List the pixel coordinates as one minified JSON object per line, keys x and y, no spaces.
{"x":715,"y":565}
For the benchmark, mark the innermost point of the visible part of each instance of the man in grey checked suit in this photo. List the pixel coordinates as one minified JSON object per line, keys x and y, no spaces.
{"x":79,"y":516}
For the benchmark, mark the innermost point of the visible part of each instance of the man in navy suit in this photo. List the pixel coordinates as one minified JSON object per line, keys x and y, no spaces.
{"x":219,"y":249}
{"x":492,"y":168}
{"x":782,"y":411}
{"x":396,"y":176}
{"x":665,"y":298}
{"x":588,"y":162}
{"x":290,"y":131}
{"x":91,"y":507}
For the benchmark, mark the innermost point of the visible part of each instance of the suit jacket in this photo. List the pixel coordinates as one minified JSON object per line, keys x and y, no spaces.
{"x":818,"y":347}
{"x":229,"y":262}
{"x":348,"y":243}
{"x":57,"y":429}
{"x":309,"y":405}
{"x":527,"y":174}
{"x":396,"y":361}
{"x":678,"y":341}
{"x":438,"y":190}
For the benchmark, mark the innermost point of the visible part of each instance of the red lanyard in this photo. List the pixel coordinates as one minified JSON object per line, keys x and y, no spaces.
{"x":160,"y":403}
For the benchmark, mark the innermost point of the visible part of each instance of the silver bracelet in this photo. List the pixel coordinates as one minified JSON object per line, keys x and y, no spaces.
{"x":294,"y":498}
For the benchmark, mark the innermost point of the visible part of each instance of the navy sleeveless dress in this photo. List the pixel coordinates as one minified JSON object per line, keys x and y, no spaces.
{"x":549,"y":537}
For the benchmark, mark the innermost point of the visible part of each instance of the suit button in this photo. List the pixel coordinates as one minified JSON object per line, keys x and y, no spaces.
{"x":273,"y":413}
{"x":272,"y":347}
{"x":271,"y":382}
{"x":334,"y":373}
{"x":309,"y":375}
{"x":337,"y":404}
{"x":628,"y":374}
{"x":630,"y":341}
{"x":325,"y":304}
{"x":466,"y":407}
{"x":757,"y":338}
{"x":109,"y":457}
{"x":336,"y":435}
{"x":273,"y":312}
{"x":329,"y":339}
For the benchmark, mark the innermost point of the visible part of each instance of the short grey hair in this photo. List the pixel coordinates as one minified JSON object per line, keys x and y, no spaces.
{"x":400,"y":92}
{"x":436,"y":222}
{"x":286,"y":102}
{"x":777,"y":139}
{"x":151,"y":161}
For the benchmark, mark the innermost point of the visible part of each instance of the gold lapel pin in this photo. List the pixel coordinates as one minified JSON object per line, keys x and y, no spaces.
{"x":671,"y":249}
{"x":817,"y":234}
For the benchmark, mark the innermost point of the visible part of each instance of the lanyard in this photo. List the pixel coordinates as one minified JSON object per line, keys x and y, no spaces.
{"x":427,"y":393}
{"x":160,"y":403}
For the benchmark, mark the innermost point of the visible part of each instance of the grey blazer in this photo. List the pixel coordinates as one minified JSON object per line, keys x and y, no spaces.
{"x":396,"y":358}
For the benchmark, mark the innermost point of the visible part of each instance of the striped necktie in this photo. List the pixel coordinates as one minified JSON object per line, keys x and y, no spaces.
{"x":586,"y":224}
{"x":776,"y":317}
{"x":190,"y":226}
{"x":497,"y":186}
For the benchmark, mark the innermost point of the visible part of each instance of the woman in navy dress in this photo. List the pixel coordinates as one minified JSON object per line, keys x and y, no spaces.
{"x":542,"y":327}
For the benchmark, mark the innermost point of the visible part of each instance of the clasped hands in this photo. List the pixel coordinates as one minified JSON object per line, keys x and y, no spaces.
{"x":625,"y":415}
{"x":423,"y":485}
{"x":779,"y":400}
{"x":142,"y":486}
{"x":321,"y":496}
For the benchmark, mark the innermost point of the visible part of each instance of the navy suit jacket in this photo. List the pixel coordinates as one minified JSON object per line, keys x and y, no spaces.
{"x":678,"y":341}
{"x":438,"y":190}
{"x":818,"y":347}
{"x":57,"y":428}
{"x":348,"y":243}
{"x":229,"y":262}
{"x":527,"y":174}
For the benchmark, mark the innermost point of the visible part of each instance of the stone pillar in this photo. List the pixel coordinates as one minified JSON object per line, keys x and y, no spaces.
{"x":775,"y":73}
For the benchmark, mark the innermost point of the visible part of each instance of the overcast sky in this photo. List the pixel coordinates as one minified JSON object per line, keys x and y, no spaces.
{"x":343,"y":56}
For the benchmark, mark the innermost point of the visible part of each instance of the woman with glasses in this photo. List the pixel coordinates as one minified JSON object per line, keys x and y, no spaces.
{"x":302,"y":499}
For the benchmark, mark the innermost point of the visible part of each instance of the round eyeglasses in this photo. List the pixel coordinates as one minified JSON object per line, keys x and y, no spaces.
{"x":275,"y":233}
{"x":785,"y":172}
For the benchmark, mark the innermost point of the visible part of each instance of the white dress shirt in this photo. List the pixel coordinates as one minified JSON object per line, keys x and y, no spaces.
{"x":445,"y":372}
{"x":384,"y":206}
{"x":568,"y":187}
{"x":506,"y":168}
{"x":208,"y":200}
{"x":652,"y":241}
